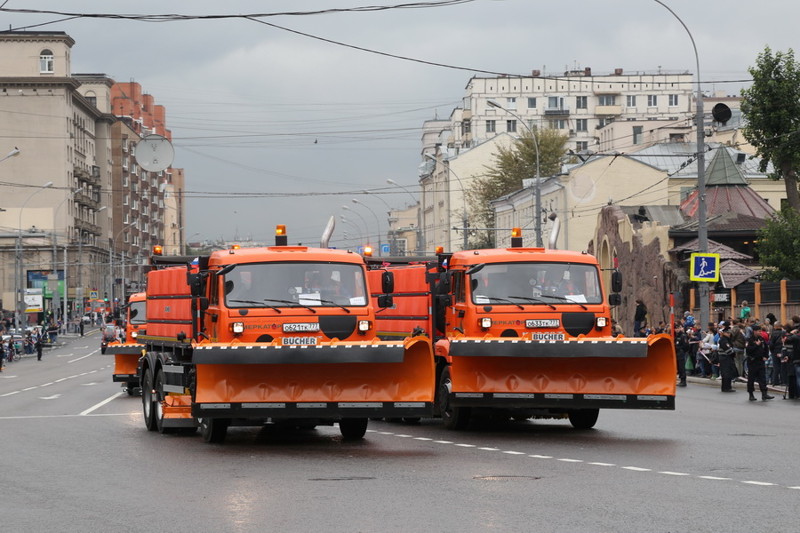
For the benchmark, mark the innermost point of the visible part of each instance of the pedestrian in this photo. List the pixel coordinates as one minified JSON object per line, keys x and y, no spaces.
{"x":727,"y":366}
{"x":791,"y":360}
{"x":738,"y":342}
{"x":639,"y":316}
{"x":756,"y":351}
{"x":776,"y":353}
{"x":745,"y":312}
{"x":39,"y":341}
{"x":81,"y":326}
{"x":616,"y":329}
{"x":681,"y":349}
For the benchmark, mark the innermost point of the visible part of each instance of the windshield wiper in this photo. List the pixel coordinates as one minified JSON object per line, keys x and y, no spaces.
{"x":259,"y":304}
{"x":537,"y":300}
{"x":564,"y":299}
{"x":500,"y":300}
{"x":333,"y":303}
{"x":290,"y":303}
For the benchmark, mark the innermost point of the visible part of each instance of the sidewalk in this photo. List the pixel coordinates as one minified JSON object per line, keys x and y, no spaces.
{"x":697,"y":380}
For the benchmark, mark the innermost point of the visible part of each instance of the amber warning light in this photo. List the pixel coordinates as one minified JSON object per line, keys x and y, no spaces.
{"x":158,"y":250}
{"x":516,"y":238}
{"x":281,"y":239}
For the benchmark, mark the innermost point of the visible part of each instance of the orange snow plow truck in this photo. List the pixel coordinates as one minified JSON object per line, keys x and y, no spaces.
{"x":524,"y":332}
{"x":126,"y":353}
{"x":273,"y":335}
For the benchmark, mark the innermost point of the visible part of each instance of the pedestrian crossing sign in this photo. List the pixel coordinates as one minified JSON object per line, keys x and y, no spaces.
{"x":704,"y":267}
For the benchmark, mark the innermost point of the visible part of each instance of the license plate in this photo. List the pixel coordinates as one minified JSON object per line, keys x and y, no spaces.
{"x":299,"y":341}
{"x":542,"y":323}
{"x":302,"y":326}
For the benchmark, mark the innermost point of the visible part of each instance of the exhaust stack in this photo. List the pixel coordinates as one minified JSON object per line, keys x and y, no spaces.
{"x":327,"y":233}
{"x":551,"y":242}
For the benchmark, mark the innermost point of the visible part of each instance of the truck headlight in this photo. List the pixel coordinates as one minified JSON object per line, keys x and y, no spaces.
{"x":485,"y":322}
{"x":363,"y":325}
{"x":134,"y":334}
{"x":237,"y":327}
{"x":602,"y":321}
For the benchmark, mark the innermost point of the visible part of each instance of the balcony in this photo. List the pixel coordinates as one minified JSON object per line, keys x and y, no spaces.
{"x":608,"y":110}
{"x":89,"y":202}
{"x":83,"y":175}
{"x":87,"y":227}
{"x":556,"y":111}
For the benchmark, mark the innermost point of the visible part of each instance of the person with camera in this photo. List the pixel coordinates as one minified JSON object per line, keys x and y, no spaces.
{"x":727,"y":364}
{"x":756,"y":353}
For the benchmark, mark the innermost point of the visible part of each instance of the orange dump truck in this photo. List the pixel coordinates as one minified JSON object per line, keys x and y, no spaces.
{"x":525,"y":332}
{"x":280,"y":334}
{"x":126,"y":353}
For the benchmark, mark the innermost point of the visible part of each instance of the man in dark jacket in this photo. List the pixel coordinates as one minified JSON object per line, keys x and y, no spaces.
{"x":756,"y":371}
{"x":639,"y":317}
{"x":727,"y":366}
{"x":682,"y":348}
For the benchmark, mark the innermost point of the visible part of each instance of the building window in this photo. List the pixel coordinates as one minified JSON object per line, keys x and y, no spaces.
{"x":637,"y":134}
{"x":581,"y":146}
{"x":582,"y":124}
{"x":465,"y":127}
{"x":511,"y":126}
{"x":630,"y":100}
{"x":531,"y":103}
{"x":511,"y":103}
{"x":46,"y":62}
{"x":652,"y":100}
{"x":673,"y":100}
{"x":490,"y":126}
{"x":581,"y":102}
{"x":557,"y":124}
{"x":607,"y":99}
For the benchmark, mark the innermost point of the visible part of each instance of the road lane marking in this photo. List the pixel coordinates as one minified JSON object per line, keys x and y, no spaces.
{"x":53,"y":397}
{"x":101,"y":404}
{"x":594,"y":463}
{"x":84,"y":357}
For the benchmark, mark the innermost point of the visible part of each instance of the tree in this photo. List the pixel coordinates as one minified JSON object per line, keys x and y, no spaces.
{"x":772,"y":109}
{"x":511,"y":166}
{"x":778,"y":246}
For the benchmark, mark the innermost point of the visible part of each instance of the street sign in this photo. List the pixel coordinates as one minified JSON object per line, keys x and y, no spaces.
{"x":386,"y":249}
{"x":704,"y":267}
{"x":93,"y":295}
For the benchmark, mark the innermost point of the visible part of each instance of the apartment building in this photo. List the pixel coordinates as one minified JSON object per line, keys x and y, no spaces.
{"x":63,"y":218}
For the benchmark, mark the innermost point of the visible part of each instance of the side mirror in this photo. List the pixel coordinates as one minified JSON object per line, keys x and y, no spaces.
{"x":385,"y":300}
{"x":616,"y":281}
{"x":614,"y":299}
{"x":195,"y":285}
{"x":387,"y":282}
{"x":202,"y":303}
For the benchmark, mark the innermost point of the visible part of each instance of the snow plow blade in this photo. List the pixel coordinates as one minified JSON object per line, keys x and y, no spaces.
{"x":126,"y":361}
{"x":339,"y":379}
{"x":625,"y":373}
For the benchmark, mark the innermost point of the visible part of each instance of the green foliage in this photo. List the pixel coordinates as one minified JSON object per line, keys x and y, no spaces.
{"x":511,"y":166}
{"x":778,"y":246}
{"x":772,"y":109}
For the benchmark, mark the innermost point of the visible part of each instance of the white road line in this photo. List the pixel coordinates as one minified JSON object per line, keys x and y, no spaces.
{"x":79,"y":358}
{"x":570,"y":460}
{"x":759,"y":483}
{"x":668,"y":473}
{"x":637,"y":469}
{"x":541,"y":456}
{"x":101,"y":404}
{"x":490,"y":449}
{"x":9,"y":393}
{"x":509,"y":452}
{"x":443,"y":442}
{"x":466,"y":445}
{"x":31,"y":417}
{"x":601,"y":464}
{"x":715,"y":478}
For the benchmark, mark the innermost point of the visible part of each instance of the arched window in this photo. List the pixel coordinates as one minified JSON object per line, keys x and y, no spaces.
{"x":46,"y":61}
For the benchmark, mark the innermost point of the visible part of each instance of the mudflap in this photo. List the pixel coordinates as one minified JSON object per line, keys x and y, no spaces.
{"x":177,"y":409}
{"x":330,"y":381}
{"x":622,"y":373}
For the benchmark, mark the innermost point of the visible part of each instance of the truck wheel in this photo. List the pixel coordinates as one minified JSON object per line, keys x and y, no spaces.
{"x":147,"y":400}
{"x":159,"y":404}
{"x":214,"y":430}
{"x":583,"y":418}
{"x":353,"y":428}
{"x":453,"y":417}
{"x":130,"y":388}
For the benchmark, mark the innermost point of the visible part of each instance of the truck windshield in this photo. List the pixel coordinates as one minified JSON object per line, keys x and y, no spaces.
{"x":295,"y":284}
{"x":137,"y":313}
{"x":536,"y":284}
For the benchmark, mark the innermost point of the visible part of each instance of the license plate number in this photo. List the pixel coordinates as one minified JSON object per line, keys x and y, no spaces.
{"x":302,"y":326}
{"x":299,"y":341}
{"x":542,"y":323}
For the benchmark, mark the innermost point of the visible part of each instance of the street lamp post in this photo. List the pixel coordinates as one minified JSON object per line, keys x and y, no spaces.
{"x":10,"y":154}
{"x":538,"y":189}
{"x":420,"y":233}
{"x":359,"y":235}
{"x":366,"y":226}
{"x":464,"y":217}
{"x":111,"y":261}
{"x":702,"y":227}
{"x":377,"y":221}
{"x":21,"y":318}
{"x":392,"y":236}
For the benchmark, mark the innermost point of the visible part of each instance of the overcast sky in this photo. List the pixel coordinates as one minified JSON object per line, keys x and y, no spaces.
{"x":259,"y":110}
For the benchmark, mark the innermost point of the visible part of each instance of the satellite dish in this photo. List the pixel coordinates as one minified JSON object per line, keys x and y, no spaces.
{"x":721,"y":113}
{"x":154,"y":153}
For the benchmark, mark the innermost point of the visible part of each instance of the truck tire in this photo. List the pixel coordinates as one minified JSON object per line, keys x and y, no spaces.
{"x":214,"y":430}
{"x":147,"y":401}
{"x":583,"y":418}
{"x":353,"y":428}
{"x":452,"y":417}
{"x":158,"y":405}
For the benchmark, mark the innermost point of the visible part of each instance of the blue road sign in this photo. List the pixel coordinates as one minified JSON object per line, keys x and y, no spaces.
{"x":704,"y":267}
